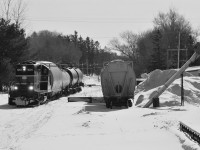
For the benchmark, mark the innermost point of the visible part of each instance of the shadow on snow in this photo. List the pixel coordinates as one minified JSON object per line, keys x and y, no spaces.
{"x":101,"y":107}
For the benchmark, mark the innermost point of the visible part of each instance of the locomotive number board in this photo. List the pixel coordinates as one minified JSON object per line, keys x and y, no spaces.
{"x":25,"y":70}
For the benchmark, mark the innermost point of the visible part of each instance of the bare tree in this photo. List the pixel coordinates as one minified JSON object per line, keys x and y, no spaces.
{"x":172,"y":24}
{"x":18,"y":12}
{"x":13,"y":10}
{"x":127,"y":45}
{"x":5,"y":8}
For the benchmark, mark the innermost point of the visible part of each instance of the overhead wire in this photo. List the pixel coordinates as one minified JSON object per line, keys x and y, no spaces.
{"x":98,"y":20}
{"x":92,"y":20}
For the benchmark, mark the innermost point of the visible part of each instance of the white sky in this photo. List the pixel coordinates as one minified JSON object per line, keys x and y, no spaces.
{"x":103,"y":19}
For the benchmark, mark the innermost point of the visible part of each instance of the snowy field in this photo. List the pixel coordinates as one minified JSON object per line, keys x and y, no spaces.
{"x":61,"y":125}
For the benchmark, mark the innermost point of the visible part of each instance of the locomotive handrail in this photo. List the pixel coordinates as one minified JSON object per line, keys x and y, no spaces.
{"x":33,"y":76}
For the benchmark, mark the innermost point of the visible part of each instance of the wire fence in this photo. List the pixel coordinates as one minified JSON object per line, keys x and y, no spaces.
{"x":91,"y":69}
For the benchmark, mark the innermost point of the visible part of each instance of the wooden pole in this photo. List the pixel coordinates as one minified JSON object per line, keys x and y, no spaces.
{"x":179,"y":36}
{"x":182,"y":91}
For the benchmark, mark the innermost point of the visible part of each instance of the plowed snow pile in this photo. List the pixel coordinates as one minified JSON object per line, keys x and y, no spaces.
{"x":171,"y":97}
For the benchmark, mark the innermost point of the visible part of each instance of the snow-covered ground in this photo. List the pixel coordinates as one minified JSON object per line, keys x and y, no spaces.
{"x":80,"y":125}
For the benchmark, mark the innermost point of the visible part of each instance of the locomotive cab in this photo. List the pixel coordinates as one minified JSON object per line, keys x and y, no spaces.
{"x":23,"y":86}
{"x":43,"y":79}
{"x":32,"y":83}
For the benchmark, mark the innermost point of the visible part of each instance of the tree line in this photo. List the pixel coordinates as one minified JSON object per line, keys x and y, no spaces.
{"x":66,"y":49}
{"x":149,"y":50}
{"x":45,"y":45}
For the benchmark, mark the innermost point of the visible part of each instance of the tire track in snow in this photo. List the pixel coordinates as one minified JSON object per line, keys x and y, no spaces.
{"x":22,"y":125}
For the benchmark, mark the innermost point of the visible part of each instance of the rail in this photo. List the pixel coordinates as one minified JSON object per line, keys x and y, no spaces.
{"x":191,"y":132}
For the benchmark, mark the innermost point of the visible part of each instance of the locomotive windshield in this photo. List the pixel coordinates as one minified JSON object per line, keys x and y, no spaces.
{"x":25,"y":70}
{"x":24,"y":79}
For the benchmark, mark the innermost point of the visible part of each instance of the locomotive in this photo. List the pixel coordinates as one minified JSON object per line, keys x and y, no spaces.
{"x":37,"y":82}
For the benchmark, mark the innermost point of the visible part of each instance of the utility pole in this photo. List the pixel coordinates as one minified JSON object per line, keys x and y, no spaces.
{"x":87,"y":66}
{"x":179,"y":39}
{"x":182,"y":91}
{"x":178,"y":52}
{"x":182,"y":88}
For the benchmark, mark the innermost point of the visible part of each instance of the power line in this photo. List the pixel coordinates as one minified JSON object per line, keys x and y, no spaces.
{"x":92,"y":20}
{"x":95,"y":21}
{"x":98,"y":20}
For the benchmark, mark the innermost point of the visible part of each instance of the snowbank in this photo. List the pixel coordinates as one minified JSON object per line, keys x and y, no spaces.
{"x":91,"y":80}
{"x":157,"y":78}
{"x":171,"y":97}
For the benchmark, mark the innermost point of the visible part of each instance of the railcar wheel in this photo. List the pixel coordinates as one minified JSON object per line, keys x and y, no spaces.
{"x":127,"y":104}
{"x":107,"y":105}
{"x":38,"y":104}
{"x":111,"y":104}
{"x":50,"y":96}
{"x":10,"y":101}
{"x":130,"y":104}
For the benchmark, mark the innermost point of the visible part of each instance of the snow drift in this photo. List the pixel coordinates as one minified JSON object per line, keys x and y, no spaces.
{"x":171,"y":97}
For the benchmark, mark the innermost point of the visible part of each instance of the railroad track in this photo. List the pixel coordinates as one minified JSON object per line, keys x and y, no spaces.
{"x":191,"y":132}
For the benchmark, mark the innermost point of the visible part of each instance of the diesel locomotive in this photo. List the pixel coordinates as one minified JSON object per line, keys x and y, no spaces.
{"x":37,"y":82}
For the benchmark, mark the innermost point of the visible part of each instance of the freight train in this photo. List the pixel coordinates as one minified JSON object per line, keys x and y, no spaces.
{"x":118,"y":83}
{"x":37,"y":82}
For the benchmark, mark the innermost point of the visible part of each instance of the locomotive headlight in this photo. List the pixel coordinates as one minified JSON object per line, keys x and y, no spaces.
{"x":24,"y":68}
{"x":15,"y":88}
{"x":30,"y":88}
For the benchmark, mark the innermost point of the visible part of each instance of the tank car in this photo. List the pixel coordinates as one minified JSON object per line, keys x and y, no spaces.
{"x":76,"y":77}
{"x":80,"y":77}
{"x":118,"y":82}
{"x":36,"y":82}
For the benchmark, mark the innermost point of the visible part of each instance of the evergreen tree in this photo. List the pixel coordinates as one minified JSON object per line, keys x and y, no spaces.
{"x":74,"y":38}
{"x":12,"y":47}
{"x":156,"y":61}
{"x":82,"y":47}
{"x":92,"y":51}
{"x":88,"y":50}
{"x":54,"y":47}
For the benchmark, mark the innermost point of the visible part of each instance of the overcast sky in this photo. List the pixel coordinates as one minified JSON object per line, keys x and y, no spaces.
{"x":103,"y":19}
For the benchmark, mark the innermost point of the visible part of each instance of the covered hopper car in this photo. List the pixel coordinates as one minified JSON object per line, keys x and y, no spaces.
{"x":118,"y":83}
{"x":37,"y":82}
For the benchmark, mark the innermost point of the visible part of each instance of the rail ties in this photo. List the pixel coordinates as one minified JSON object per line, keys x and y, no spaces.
{"x":191,"y":132}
